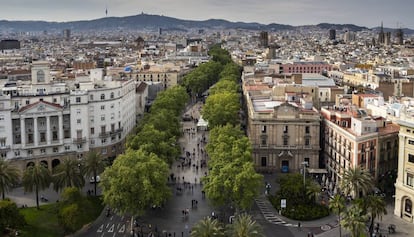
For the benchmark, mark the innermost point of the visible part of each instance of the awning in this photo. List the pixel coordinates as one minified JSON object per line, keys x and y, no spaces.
{"x":317,"y":171}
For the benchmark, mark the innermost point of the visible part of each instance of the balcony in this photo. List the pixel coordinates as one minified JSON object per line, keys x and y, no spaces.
{"x":4,"y":147}
{"x":79,"y":140}
{"x":117,"y":131}
{"x":104,"y":134}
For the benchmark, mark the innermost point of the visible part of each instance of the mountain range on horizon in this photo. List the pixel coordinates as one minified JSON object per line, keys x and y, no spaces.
{"x":148,"y":21}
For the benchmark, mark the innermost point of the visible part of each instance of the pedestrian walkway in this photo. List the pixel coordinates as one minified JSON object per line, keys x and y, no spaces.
{"x":269,"y":212}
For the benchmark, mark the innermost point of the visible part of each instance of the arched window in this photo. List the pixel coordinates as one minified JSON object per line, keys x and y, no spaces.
{"x":408,"y":206}
{"x":40,"y":76}
{"x":102,"y":96}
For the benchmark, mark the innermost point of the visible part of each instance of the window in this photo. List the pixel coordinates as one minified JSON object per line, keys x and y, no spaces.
{"x":78,"y":121}
{"x":264,"y":161}
{"x":40,"y":76}
{"x":112,"y":95}
{"x":78,"y":99}
{"x":92,"y":118}
{"x":102,"y":117}
{"x":112,"y":106}
{"x":55,"y":149}
{"x":112,"y":116}
{"x":103,"y":140}
{"x":78,"y":111}
{"x":411,"y":158}
{"x":285,"y":129}
{"x":102,"y":96}
{"x":264,"y":141}
{"x":410,"y":179}
{"x":307,"y":141}
{"x":92,"y":131}
{"x":27,"y":102}
{"x":285,"y":141}
{"x":43,"y":150}
{"x":307,"y":129}
{"x":306,"y":160}
{"x":92,"y":142}
{"x":263,"y":128}
{"x":67,"y":148}
{"x":411,"y":142}
{"x":102,"y":107}
{"x":91,"y":97}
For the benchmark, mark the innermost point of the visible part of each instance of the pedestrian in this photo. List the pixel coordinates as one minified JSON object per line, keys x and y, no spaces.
{"x":299,"y":225}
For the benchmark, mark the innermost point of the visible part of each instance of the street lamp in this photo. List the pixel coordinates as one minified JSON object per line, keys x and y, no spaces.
{"x":305,"y":164}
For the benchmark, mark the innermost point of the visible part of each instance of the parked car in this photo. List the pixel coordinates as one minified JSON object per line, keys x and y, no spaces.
{"x":92,"y":179}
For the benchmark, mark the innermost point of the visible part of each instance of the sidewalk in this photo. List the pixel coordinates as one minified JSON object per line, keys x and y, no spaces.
{"x":328,"y":226}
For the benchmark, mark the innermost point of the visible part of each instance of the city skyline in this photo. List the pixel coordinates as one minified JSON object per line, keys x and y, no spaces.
{"x":370,"y":13}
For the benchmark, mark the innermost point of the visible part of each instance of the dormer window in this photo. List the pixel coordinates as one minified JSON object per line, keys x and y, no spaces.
{"x":40,"y":76}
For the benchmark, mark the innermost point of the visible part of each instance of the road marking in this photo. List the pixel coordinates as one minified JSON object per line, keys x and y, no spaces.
{"x":122,"y":230}
{"x":107,"y":225}
{"x":100,"y":229}
{"x":112,"y":228}
{"x":103,"y":234}
{"x":117,"y":227}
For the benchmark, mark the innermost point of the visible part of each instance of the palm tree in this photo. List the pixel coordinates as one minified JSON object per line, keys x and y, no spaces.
{"x":207,"y":228}
{"x":245,"y":226}
{"x":354,"y":220}
{"x":93,"y":165}
{"x":355,"y":181}
{"x":375,"y":207}
{"x":36,"y":177}
{"x":68,"y":174}
{"x":312,"y":190}
{"x":337,"y":205}
{"x":9,"y":176}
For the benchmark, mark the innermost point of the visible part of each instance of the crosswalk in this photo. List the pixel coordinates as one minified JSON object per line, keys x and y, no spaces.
{"x":269,"y":211}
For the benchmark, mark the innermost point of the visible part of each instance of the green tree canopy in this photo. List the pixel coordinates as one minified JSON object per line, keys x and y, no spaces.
{"x":221,"y":109}
{"x":93,"y":165}
{"x":152,"y":140}
{"x":354,"y":219}
{"x":337,"y":205}
{"x":231,"y":72}
{"x":136,"y":181}
{"x":173,"y":99}
{"x":356,"y":181}
{"x":36,"y":178}
{"x":245,"y":226}
{"x":207,"y":228}
{"x":68,"y":174}
{"x":9,"y":176}
{"x":224,"y":86}
{"x":10,"y":216}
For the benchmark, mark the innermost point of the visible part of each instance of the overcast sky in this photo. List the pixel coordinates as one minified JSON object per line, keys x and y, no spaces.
{"x":368,"y":13}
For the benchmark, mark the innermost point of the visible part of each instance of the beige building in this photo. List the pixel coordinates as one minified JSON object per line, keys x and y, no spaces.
{"x":404,"y":185}
{"x":284,"y":133}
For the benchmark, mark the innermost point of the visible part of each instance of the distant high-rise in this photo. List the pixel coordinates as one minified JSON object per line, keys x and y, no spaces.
{"x":381,"y":35}
{"x":387,"y":40}
{"x":264,"y":39}
{"x":332,"y":34}
{"x":349,"y":36}
{"x":9,"y":44}
{"x":66,"y":34}
{"x":399,"y":36}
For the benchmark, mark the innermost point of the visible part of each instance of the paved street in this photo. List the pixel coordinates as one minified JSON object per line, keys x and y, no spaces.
{"x":180,"y":212}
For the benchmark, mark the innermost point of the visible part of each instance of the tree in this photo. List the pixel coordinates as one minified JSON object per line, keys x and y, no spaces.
{"x":224,"y":86}
{"x":221,"y":109}
{"x":68,"y":174}
{"x":136,"y":181}
{"x":10,"y":216}
{"x":313,"y":190}
{"x":354,"y":220}
{"x":36,"y":178}
{"x":93,"y":166}
{"x":245,"y":226}
{"x":337,"y":205}
{"x":356,"y":181}
{"x":207,"y":228}
{"x":9,"y":176}
{"x":375,"y":207}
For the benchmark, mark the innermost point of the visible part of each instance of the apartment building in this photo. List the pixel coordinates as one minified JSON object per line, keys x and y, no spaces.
{"x":404,"y":185}
{"x":44,"y":121}
{"x":351,"y":138}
